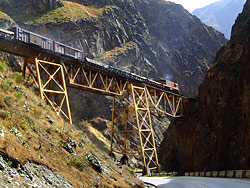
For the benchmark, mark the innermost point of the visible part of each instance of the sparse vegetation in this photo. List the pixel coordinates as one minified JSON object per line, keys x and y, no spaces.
{"x":3,"y":16}
{"x":78,"y":161}
{"x":2,"y":65}
{"x":130,"y":170}
{"x":5,"y":114}
{"x":128,"y":46}
{"x":6,"y":84}
{"x":86,"y":122}
{"x":32,"y":131}
{"x":71,"y":11}
{"x":229,"y":53}
{"x":18,"y":77}
{"x":1,"y":128}
{"x":25,"y":126}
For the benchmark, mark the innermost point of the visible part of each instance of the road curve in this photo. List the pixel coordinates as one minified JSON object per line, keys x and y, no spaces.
{"x":196,"y":182}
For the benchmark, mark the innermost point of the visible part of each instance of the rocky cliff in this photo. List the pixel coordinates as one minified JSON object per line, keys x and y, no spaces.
{"x":185,"y":46}
{"x":20,"y":9}
{"x":6,"y":21}
{"x":217,"y":134}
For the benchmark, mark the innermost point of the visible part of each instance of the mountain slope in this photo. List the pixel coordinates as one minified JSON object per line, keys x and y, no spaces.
{"x":217,"y":134}
{"x":220,"y":15}
{"x":188,"y":45}
{"x":170,"y":42}
{"x":148,"y":37}
{"x":39,"y":149}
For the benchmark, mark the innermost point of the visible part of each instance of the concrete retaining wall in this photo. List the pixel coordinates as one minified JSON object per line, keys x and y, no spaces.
{"x":227,"y":174}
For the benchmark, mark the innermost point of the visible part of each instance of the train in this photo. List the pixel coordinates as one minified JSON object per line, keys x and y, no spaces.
{"x":31,"y":38}
{"x":167,"y":83}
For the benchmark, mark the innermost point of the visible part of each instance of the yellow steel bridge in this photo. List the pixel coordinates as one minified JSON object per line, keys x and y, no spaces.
{"x":132,"y":132}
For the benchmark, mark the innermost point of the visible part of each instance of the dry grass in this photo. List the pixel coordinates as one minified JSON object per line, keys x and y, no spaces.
{"x":3,"y":16}
{"x":128,"y":46}
{"x":28,"y":136}
{"x":71,"y":11}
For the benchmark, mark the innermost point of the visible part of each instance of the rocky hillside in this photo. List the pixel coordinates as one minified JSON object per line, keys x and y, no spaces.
{"x":220,"y":15}
{"x":39,"y":149}
{"x":153,"y":38}
{"x":217,"y":135}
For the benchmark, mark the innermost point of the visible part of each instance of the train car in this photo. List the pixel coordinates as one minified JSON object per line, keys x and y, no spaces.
{"x":32,"y":38}
{"x":46,"y":43}
{"x":21,"y":34}
{"x":6,"y":34}
{"x":68,"y":50}
{"x":167,"y":84}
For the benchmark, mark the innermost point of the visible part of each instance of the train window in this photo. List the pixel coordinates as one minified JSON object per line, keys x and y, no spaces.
{"x":19,"y":34}
{"x":43,"y":43}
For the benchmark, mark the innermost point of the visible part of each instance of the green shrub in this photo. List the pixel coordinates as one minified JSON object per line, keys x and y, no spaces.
{"x":78,"y":161}
{"x":18,"y":94}
{"x":2,"y":65}
{"x":5,"y":114}
{"x":19,"y":78}
{"x":131,"y":171}
{"x":85,"y":121}
{"x":5,"y":84}
{"x":14,"y":130}
{"x":25,"y":126}
{"x":1,"y":128}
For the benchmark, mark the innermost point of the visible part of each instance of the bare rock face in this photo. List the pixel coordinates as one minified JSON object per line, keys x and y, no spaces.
{"x":190,"y":45}
{"x":216,"y":136}
{"x":6,"y":21}
{"x":19,"y":9}
{"x":47,"y":4}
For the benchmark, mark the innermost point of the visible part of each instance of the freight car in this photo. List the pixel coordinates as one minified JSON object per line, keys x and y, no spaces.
{"x":6,"y":34}
{"x":67,"y":50}
{"x":31,"y":38}
{"x":45,"y":43}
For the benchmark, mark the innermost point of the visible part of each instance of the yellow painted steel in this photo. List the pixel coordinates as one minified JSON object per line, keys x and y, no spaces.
{"x":50,"y":80}
{"x":131,"y":132}
{"x":85,"y":78}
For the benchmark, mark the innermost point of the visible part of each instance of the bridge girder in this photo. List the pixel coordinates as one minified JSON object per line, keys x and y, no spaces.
{"x":132,"y":132}
{"x":85,"y":78}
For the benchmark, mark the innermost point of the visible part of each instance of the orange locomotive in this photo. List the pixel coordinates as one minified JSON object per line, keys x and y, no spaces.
{"x":167,"y":84}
